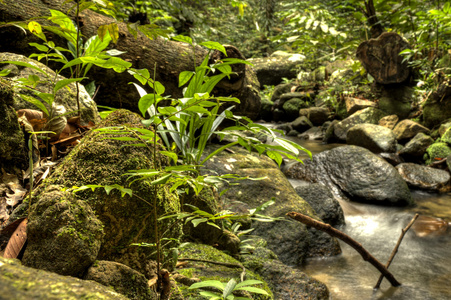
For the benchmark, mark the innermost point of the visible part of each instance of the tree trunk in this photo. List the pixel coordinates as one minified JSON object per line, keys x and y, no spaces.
{"x":168,"y":57}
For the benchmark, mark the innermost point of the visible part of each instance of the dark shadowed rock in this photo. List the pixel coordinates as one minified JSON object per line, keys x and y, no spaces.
{"x":64,"y":235}
{"x":292,"y":107}
{"x":407,"y":129}
{"x":323,"y":202}
{"x":356,"y":173}
{"x":355,"y":104}
{"x":396,"y":100}
{"x":123,"y":279}
{"x":313,"y":134}
{"x":301,"y":124}
{"x":417,"y":146}
{"x":375,"y":138}
{"x":20,"y":282}
{"x":368,"y":115}
{"x":423,"y":177}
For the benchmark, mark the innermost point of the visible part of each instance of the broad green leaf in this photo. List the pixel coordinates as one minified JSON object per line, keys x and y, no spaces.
{"x":198,"y":221}
{"x":184,"y":77}
{"x":248,"y":282}
{"x":253,"y":290}
{"x":64,"y":82}
{"x":275,"y":156}
{"x":162,"y":180}
{"x":208,"y":283}
{"x":171,"y":155}
{"x":228,"y":289}
{"x":142,"y":75}
{"x":182,"y":38}
{"x":5,"y":72}
{"x":36,"y":102}
{"x":95,"y":44}
{"x":145,"y":102}
{"x":36,"y":29}
{"x":214,"y":46}
{"x":68,"y":29}
{"x":24,"y":64}
{"x":211,"y":295}
{"x":40,"y":47}
{"x":158,"y":87}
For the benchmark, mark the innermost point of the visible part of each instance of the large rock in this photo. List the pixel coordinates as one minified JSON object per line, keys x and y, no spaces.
{"x":423,"y":177}
{"x":290,"y":241}
{"x":407,"y":129}
{"x":436,"y":152}
{"x":375,"y":138}
{"x":301,"y":124}
{"x":64,"y":235}
{"x":126,"y":220}
{"x":323,"y":202}
{"x":437,"y":108}
{"x":355,"y":173}
{"x":368,"y":115}
{"x":389,"y":121}
{"x":416,"y":147}
{"x":65,"y":97}
{"x":19,"y":282}
{"x":316,"y":115}
{"x":123,"y":279}
{"x":396,"y":100}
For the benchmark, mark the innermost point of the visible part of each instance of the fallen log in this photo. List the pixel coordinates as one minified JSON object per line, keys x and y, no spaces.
{"x":348,"y":240}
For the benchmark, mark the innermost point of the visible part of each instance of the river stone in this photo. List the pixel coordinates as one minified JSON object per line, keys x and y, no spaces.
{"x":301,"y":124}
{"x":20,"y":282}
{"x":281,"y":89}
{"x":323,"y":202}
{"x":64,"y":97}
{"x":64,"y":235}
{"x":290,"y":240}
{"x":389,"y":121}
{"x":355,"y":104}
{"x":354,"y":173}
{"x":396,"y":100}
{"x":407,"y":129}
{"x":316,"y":115}
{"x":375,"y":138}
{"x":437,"y":108}
{"x":437,"y":151}
{"x":423,"y":177}
{"x":292,"y":107}
{"x":313,"y":134}
{"x":286,"y":282}
{"x":369,"y":115}
{"x":123,"y":279}
{"x":417,"y":146}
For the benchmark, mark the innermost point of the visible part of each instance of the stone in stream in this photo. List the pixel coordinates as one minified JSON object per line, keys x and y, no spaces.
{"x":354,"y":173}
{"x":407,"y":129}
{"x":424,"y":177}
{"x":369,"y":115}
{"x":375,"y":138}
{"x":416,"y":147}
{"x":355,"y":104}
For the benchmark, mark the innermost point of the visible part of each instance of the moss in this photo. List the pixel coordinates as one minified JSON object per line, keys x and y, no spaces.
{"x":438,"y":150}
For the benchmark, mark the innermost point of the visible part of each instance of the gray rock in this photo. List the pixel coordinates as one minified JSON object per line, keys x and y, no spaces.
{"x":313,"y":134}
{"x":323,"y":202}
{"x":64,"y":235}
{"x":368,"y":115}
{"x":375,"y":138}
{"x":389,"y":121}
{"x":417,"y":146}
{"x":354,"y":173}
{"x":355,"y":104}
{"x":301,"y":124}
{"x":316,"y":115}
{"x":20,"y":282}
{"x":407,"y":129}
{"x":396,"y":100}
{"x":423,"y":177}
{"x":123,"y":279}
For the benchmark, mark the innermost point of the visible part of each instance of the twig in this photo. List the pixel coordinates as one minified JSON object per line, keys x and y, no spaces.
{"x":395,"y":250}
{"x":229,"y":265}
{"x":348,"y":240}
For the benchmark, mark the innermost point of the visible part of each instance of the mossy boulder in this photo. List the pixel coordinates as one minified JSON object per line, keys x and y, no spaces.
{"x":63,"y":233}
{"x":292,"y":107}
{"x":100,"y":160}
{"x":207,"y":263}
{"x":123,"y":279}
{"x":13,"y":150}
{"x":397,"y":100}
{"x":437,"y":151}
{"x":368,"y":115}
{"x":20,"y":282}
{"x":291,"y":241}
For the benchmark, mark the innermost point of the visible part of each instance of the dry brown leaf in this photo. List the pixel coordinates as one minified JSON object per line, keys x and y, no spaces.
{"x":30,"y":114}
{"x":429,"y":226}
{"x":17,"y":241}
{"x":15,"y":198}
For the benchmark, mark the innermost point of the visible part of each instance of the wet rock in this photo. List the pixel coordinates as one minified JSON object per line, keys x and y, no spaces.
{"x":392,"y":158}
{"x":312,"y":134}
{"x":423,"y":177}
{"x":396,"y":100}
{"x":437,"y":152}
{"x":123,"y":279}
{"x":271,"y":70}
{"x":368,"y":115}
{"x":356,"y":104}
{"x":281,"y":89}
{"x":285,"y":282}
{"x":64,"y":235}
{"x":389,"y":121}
{"x":416,"y":147}
{"x":301,"y":124}
{"x":316,"y":115}
{"x":329,"y":132}
{"x":323,"y":202}
{"x":354,"y":173}
{"x":292,"y":107}
{"x":290,"y":241}
{"x":407,"y":129}
{"x":20,"y":282}
{"x":375,"y":138}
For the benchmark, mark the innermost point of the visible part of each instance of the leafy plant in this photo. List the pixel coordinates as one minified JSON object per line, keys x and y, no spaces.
{"x":228,"y":288}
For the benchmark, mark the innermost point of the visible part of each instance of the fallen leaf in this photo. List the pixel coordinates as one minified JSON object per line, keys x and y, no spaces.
{"x":15,"y":198}
{"x":17,"y":241}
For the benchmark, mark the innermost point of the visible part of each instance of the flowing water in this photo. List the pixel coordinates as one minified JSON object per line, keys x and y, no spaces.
{"x":422,"y":264}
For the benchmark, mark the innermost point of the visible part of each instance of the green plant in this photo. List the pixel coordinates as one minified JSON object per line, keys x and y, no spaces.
{"x":228,"y":288}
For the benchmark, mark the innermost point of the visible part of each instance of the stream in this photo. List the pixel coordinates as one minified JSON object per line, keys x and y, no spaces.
{"x":422,"y":264}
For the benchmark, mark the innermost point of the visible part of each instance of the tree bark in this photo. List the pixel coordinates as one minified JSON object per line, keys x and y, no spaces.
{"x":376,"y":28}
{"x":348,"y":240}
{"x":169,"y":57}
